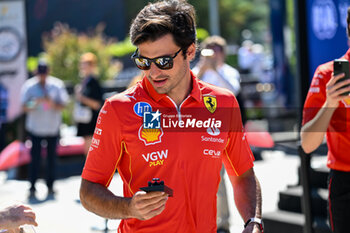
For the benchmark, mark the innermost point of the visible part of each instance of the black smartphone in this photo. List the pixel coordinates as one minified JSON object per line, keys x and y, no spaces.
{"x":341,"y":66}
{"x":157,"y":185}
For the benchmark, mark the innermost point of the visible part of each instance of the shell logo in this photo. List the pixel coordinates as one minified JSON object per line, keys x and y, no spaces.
{"x":150,"y":136}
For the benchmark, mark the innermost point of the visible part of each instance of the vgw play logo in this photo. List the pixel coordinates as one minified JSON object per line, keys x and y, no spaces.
{"x":156,"y":158}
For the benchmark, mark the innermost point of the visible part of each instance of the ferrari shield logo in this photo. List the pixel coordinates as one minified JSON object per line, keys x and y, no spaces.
{"x":210,"y":103}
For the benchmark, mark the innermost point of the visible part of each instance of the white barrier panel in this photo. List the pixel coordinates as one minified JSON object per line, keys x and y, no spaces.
{"x":13,"y":52}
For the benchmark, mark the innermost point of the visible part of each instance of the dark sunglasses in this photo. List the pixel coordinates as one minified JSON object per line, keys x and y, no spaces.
{"x":163,"y":63}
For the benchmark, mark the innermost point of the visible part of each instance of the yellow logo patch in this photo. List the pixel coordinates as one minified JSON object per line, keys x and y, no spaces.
{"x":346,"y":102}
{"x":150,"y":136}
{"x":210,"y":103}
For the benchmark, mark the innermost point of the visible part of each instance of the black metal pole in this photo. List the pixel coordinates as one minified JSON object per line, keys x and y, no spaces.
{"x":302,"y":53}
{"x":306,"y":203}
{"x":303,"y":81}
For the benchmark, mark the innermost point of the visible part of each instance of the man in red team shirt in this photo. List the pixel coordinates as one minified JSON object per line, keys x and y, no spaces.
{"x":327,"y":112}
{"x":170,"y":126}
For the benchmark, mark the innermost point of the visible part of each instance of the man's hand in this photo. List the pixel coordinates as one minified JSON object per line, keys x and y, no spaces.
{"x":77,"y":91}
{"x":335,"y":90}
{"x":144,"y":206}
{"x":252,"y":228}
{"x":206,"y":63}
{"x":14,"y":216}
{"x":209,"y":62}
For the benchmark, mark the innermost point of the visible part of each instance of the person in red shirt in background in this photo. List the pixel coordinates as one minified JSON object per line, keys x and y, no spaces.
{"x":327,"y":112}
{"x":170,"y":126}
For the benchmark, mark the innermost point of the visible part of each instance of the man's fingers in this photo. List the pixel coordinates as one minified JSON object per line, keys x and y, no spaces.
{"x":333,"y":85}
{"x":154,"y":212}
{"x":30,"y":218}
{"x":335,"y":78}
{"x":29,"y":213}
{"x":152,"y":202}
{"x":26,"y":207}
{"x":155,"y":204}
{"x":148,"y":205}
{"x":30,"y":221}
{"x":337,"y":92}
{"x":150,"y":196}
{"x":157,"y":211}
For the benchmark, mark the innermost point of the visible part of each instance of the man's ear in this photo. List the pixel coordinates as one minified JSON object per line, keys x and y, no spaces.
{"x":191,"y":52}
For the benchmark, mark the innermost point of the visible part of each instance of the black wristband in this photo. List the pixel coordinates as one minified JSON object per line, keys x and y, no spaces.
{"x":257,"y":221}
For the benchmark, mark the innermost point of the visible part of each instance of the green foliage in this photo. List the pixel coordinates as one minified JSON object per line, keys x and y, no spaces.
{"x":291,"y":25}
{"x":63,"y":47}
{"x":122,"y":48}
{"x":202,"y":34}
{"x":202,"y":13}
{"x":32,"y":63}
{"x":232,"y":60}
{"x":67,"y":113}
{"x":235,"y":16}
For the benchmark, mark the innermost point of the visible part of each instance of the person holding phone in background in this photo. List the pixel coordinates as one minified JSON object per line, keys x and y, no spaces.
{"x":131,"y":137}
{"x":43,"y":97}
{"x":212,"y":67}
{"x":327,"y":113}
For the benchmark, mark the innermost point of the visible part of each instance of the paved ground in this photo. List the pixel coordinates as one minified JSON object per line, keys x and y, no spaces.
{"x":64,"y":213}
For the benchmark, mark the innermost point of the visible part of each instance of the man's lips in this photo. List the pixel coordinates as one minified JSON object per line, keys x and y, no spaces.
{"x":159,"y":82}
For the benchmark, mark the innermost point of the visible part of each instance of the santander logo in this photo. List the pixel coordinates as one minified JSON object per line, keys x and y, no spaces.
{"x":213,"y":131}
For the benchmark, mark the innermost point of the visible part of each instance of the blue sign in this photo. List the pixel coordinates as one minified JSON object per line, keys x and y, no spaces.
{"x":326,"y":27}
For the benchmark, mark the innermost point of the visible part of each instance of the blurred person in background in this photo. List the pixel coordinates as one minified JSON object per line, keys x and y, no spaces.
{"x":257,"y":70}
{"x":212,"y":69}
{"x":327,"y":113}
{"x":88,"y":96}
{"x":43,"y":98}
{"x":245,"y":57}
{"x":14,"y":216}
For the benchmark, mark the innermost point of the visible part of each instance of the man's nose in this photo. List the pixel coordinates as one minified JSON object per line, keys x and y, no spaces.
{"x":154,"y":70}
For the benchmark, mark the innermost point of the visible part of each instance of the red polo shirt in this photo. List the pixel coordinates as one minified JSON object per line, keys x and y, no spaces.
{"x":186,"y":151}
{"x":338,"y":133}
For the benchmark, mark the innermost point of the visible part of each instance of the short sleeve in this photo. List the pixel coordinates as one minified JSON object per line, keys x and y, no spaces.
{"x":24,"y":93}
{"x":316,"y":95}
{"x":238,"y":157}
{"x":105,"y":149}
{"x":94,"y":90}
{"x":63,"y":95}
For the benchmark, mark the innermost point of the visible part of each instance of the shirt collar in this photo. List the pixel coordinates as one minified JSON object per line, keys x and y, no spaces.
{"x":195,"y":92}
